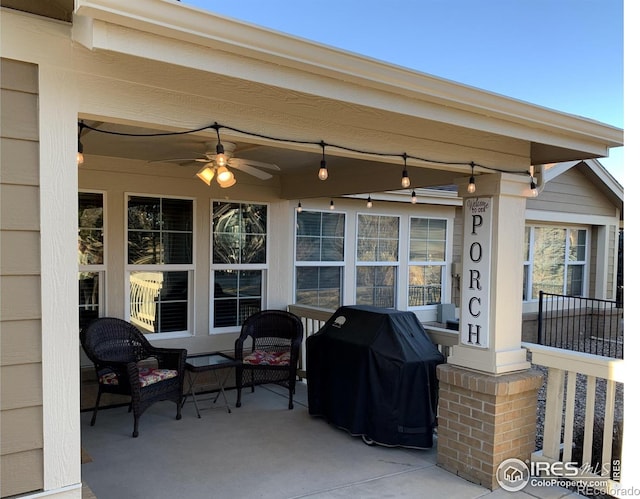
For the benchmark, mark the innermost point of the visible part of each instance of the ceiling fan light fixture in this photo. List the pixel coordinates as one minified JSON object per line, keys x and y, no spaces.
{"x":226,"y":181}
{"x":224,"y":175}
{"x":206,"y":174}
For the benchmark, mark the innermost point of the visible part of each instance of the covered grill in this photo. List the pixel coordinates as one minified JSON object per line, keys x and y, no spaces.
{"x":372,"y":372}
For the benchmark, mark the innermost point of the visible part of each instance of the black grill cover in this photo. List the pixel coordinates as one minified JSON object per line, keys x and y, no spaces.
{"x":372,"y":372}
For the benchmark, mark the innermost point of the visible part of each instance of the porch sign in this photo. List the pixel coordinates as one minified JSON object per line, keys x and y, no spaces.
{"x":475,"y":306}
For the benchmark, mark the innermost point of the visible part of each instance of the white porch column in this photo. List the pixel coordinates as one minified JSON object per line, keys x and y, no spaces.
{"x":491,"y":286}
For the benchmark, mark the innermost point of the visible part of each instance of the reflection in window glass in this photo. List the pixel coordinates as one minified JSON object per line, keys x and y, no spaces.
{"x":556,"y":261}
{"x":160,"y":263}
{"x":319,"y":259}
{"x":90,"y":255}
{"x":239,"y":261}
{"x":375,"y":285}
{"x":160,"y":231}
{"x":378,"y":239}
{"x":427,"y":250}
{"x":319,"y":286}
{"x":239,"y":233}
{"x":237,"y":295}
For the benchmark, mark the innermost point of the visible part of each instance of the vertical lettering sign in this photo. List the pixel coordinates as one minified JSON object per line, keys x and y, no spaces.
{"x":474,"y":305}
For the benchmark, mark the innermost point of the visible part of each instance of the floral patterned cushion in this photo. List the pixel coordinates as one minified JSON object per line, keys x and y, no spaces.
{"x":146,"y":375}
{"x":260,"y":357}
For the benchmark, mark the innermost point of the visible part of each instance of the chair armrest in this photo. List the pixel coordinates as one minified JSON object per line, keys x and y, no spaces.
{"x":170,"y":358}
{"x":239,"y":348}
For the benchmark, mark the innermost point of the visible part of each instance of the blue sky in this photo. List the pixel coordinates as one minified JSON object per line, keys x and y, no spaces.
{"x":563,"y":54}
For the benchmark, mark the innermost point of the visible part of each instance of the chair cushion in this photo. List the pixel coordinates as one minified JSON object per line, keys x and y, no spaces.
{"x":146,"y":375}
{"x":260,"y":357}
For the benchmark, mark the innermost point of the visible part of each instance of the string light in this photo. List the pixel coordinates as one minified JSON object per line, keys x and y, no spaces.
{"x":369,"y":202}
{"x":323,"y":173}
{"x":414,"y":198}
{"x":332,"y":206}
{"x":534,"y":188}
{"x":471,"y":188}
{"x":80,"y":153}
{"x":221,"y":157}
{"x":299,"y":208}
{"x":406,"y":181}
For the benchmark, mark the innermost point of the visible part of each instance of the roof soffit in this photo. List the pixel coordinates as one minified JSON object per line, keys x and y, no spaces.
{"x":273,"y":58}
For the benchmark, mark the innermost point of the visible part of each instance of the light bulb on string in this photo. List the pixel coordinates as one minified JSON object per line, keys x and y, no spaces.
{"x":414,"y":198}
{"x":299,"y":207}
{"x":369,"y":202}
{"x":471,"y":188}
{"x":323,"y":173}
{"x":406,"y":181}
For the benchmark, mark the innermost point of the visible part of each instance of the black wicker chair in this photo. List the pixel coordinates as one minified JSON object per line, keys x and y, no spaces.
{"x":127,"y":364}
{"x":272,"y":353}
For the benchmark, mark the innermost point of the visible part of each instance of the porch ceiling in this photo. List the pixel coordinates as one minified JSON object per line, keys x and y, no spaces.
{"x":157,"y":66}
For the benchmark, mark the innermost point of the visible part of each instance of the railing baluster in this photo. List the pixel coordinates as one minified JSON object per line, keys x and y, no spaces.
{"x":569,"y":417}
{"x":553,"y":414}
{"x":590,"y":404}
{"x":607,"y":432}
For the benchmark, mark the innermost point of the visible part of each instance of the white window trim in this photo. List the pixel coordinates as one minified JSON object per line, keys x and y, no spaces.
{"x":378,"y":263}
{"x":101,"y":268}
{"x":264,"y":267}
{"x":585,"y":283}
{"x":317,"y":263}
{"x":444,"y":291}
{"x":191,"y":268}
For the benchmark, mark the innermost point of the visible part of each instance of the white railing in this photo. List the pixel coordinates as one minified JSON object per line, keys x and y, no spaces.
{"x":313,"y":319}
{"x":566,"y":371}
{"x":145,"y":289}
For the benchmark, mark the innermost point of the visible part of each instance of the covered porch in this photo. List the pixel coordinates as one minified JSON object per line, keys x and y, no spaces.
{"x":259,"y":450}
{"x":139,"y":86}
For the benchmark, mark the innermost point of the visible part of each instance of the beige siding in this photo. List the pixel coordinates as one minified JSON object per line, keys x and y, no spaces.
{"x":21,"y":434}
{"x":611,"y":263}
{"x":572,"y":192}
{"x":593,"y":262}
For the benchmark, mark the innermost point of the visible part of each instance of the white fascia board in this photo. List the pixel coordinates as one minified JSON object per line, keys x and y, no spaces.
{"x":554,"y":170}
{"x":481,"y":109}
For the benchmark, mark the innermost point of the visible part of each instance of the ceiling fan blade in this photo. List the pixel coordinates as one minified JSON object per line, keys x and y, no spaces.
{"x":251,"y":170}
{"x":250,"y":162}
{"x":182,"y":161}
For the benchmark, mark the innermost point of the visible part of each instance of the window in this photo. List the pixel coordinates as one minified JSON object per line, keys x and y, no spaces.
{"x":238,"y":262}
{"x":555,"y":261}
{"x":319,"y":259}
{"x":90,"y":256}
{"x":160,"y":263}
{"x":427,"y":250}
{"x":377,"y":260}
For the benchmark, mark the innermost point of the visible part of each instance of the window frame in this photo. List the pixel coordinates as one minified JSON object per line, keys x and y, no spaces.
{"x":529,"y":260}
{"x":444,"y":282}
{"x":213,"y":267}
{"x":190,"y":268}
{"x":379,"y":263}
{"x":340,"y":264}
{"x":100,"y":268}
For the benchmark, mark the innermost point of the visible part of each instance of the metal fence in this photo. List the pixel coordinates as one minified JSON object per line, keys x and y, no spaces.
{"x":581,"y":324}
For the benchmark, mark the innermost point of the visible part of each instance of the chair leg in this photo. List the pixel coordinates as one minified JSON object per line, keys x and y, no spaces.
{"x":292,"y":386}
{"x":135,"y":426}
{"x":95,"y":409}
{"x":239,"y":386}
{"x":179,"y":404}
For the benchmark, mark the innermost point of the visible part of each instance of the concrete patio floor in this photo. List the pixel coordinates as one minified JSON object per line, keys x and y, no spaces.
{"x":260,"y":450}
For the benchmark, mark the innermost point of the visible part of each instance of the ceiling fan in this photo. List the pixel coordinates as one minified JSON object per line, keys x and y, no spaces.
{"x":216,"y":159}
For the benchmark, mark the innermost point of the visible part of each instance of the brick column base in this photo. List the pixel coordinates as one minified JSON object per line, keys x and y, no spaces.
{"x":484,"y":419}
